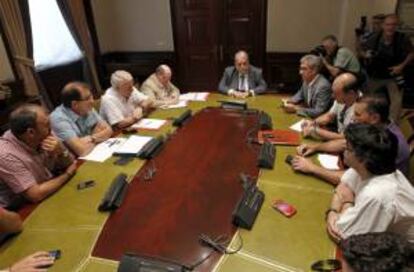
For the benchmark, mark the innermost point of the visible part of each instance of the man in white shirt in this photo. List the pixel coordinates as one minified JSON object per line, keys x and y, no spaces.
{"x":373,"y":196}
{"x":122,"y":104}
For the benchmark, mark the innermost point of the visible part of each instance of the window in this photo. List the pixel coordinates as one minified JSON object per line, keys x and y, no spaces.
{"x":53,"y":43}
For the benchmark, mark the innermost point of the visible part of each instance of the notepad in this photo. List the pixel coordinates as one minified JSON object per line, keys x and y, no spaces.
{"x":149,"y":123}
{"x":104,"y":150}
{"x":194,"y":96}
{"x":180,"y":104}
{"x":133,"y":145}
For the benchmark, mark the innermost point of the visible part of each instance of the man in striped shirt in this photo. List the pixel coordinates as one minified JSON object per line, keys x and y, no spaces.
{"x":33,"y":162}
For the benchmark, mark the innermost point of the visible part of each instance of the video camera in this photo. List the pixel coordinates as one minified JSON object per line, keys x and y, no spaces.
{"x":318,"y":51}
{"x":359,"y":31}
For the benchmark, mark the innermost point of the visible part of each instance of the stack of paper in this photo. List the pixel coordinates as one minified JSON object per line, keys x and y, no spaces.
{"x":180,"y":104}
{"x":194,"y":96}
{"x":104,"y":150}
{"x":133,"y":145}
{"x":148,"y":123}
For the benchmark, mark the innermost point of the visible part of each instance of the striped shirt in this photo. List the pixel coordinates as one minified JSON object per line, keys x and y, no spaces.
{"x":20,"y":168}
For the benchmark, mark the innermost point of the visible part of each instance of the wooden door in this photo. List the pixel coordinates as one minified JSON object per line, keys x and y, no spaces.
{"x":207,"y":33}
{"x":244,"y":27}
{"x":196,"y":35}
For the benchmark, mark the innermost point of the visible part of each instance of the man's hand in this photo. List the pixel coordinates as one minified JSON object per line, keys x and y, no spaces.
{"x":71,"y":170}
{"x":238,"y":94}
{"x":290,"y":108}
{"x":396,"y":70}
{"x":331,"y":226}
{"x":302,"y":165}
{"x":33,"y":263}
{"x":52,"y":145}
{"x":308,"y":129}
{"x":306,"y":149}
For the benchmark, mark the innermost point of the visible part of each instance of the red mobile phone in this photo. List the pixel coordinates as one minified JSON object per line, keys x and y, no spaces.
{"x":283,"y":207}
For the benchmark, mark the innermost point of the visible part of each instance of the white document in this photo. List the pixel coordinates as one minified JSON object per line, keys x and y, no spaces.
{"x":194,"y":96}
{"x":149,"y":123}
{"x":329,"y":161}
{"x":297,"y":126}
{"x":180,"y":104}
{"x":133,"y":145}
{"x":104,"y":150}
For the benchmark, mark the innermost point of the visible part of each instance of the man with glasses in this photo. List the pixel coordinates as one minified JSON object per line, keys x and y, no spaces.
{"x":34,"y":163}
{"x":373,"y":195}
{"x":76,"y":122}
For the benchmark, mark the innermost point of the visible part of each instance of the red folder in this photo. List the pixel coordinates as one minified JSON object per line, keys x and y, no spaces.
{"x":279,"y":137}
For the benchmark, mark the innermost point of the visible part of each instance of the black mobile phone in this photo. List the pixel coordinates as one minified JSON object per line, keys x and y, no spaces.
{"x":85,"y":184}
{"x":55,"y":254}
{"x":289,"y":159}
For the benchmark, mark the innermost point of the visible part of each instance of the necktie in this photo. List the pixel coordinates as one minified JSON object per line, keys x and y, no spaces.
{"x":242,"y":83}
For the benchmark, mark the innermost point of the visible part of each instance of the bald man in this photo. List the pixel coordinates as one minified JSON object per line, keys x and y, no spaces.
{"x":242,"y":79}
{"x":345,"y":90}
{"x":158,"y":87}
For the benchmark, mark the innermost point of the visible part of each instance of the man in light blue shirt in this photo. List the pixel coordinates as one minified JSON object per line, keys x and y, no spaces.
{"x":76,"y":122}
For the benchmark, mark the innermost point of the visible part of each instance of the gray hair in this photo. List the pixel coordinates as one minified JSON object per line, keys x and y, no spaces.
{"x":313,"y":61}
{"x":119,"y":77}
{"x":162,"y":69}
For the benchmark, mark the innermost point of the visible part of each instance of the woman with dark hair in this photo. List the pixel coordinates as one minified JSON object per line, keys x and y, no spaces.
{"x":373,"y":196}
{"x":377,"y":252}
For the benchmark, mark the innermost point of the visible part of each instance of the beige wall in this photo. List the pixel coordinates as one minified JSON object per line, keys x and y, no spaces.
{"x":293,"y":25}
{"x":299,"y":25}
{"x":130,"y":25}
{"x":6,"y":73}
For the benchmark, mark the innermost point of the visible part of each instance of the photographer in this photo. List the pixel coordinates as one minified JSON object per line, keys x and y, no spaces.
{"x":338,"y":59}
{"x":387,"y":53}
{"x":363,"y":34}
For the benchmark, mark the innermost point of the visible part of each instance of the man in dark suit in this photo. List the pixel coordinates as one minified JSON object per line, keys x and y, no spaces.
{"x":314,"y":96}
{"x":242,"y":79}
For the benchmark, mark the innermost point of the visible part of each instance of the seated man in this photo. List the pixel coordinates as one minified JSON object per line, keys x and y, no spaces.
{"x":123,"y":105}
{"x":315,"y":91}
{"x":34,"y":163}
{"x":369,"y":109}
{"x":377,"y":252}
{"x":159,"y":88}
{"x":76,"y":122}
{"x":242,"y":79}
{"x":345,"y":89}
{"x":339,"y":59}
{"x":373,"y":195}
